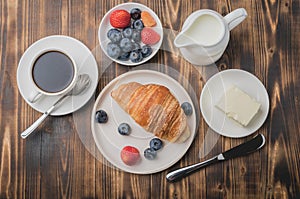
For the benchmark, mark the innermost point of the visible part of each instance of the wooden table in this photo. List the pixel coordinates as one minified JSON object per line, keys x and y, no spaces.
{"x":54,"y":163}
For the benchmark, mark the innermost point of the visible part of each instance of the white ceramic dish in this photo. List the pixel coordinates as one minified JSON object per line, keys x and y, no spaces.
{"x":110,"y":142}
{"x":105,"y":26}
{"x":215,"y":88}
{"x":84,"y":59}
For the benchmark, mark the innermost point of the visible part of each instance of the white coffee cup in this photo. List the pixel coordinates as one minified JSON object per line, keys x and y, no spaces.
{"x":52,"y":72}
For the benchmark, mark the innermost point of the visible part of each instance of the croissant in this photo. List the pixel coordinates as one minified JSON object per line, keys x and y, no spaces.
{"x":154,"y":108}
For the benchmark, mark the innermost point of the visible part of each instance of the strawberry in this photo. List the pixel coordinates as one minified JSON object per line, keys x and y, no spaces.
{"x":147,"y":19}
{"x":119,"y":19}
{"x":130,"y":155}
{"x":149,"y":36}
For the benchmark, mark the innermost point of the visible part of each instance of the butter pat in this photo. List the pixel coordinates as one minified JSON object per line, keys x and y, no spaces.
{"x":238,"y":105}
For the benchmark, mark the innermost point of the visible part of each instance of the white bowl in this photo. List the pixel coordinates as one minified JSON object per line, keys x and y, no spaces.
{"x":105,"y":26}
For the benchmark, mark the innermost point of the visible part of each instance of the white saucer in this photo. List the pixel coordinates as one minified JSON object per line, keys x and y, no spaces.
{"x":86,"y":64}
{"x":215,"y":88}
{"x":110,"y":142}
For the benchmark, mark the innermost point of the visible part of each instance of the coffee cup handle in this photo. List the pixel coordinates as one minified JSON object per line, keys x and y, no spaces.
{"x":34,"y":96}
{"x":235,"y":17}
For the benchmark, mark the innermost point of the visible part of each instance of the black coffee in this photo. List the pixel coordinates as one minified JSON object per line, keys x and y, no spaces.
{"x":53,"y":71}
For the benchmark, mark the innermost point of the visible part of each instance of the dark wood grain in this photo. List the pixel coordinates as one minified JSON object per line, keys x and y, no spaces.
{"x":54,"y":163}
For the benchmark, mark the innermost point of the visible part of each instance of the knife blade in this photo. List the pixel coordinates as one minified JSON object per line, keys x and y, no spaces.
{"x":243,"y":149}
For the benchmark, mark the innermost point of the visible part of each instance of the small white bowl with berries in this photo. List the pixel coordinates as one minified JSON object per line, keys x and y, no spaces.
{"x":130,"y":34}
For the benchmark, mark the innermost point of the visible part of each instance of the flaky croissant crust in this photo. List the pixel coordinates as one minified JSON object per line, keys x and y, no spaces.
{"x":154,"y":108}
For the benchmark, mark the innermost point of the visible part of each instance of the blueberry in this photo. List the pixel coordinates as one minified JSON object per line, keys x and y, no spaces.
{"x":136,"y":36}
{"x":136,"y":46}
{"x":150,"y":153}
{"x":101,"y":116}
{"x":146,"y":50}
{"x":187,"y":108}
{"x":138,"y":24}
{"x":127,"y":32}
{"x":126,"y":45}
{"x":113,"y":50}
{"x":114,"y":35}
{"x":136,"y":56}
{"x":124,"y":129}
{"x":156,"y":144}
{"x":124,"y":56}
{"x":135,"y":13}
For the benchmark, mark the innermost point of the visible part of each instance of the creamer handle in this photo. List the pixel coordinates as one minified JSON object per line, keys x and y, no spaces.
{"x":235,"y":17}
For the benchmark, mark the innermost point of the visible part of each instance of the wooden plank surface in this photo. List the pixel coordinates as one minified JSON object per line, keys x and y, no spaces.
{"x":55,"y":164}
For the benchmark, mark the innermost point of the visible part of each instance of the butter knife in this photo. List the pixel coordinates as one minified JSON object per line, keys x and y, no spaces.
{"x":243,"y":149}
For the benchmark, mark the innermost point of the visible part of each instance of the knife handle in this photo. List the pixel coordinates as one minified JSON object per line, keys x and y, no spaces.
{"x":185,"y":171}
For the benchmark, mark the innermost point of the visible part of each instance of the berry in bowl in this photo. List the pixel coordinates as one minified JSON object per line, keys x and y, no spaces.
{"x":130,"y":34}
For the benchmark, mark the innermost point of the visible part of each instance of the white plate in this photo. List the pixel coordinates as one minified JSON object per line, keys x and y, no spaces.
{"x":110,"y":142}
{"x":105,"y":26}
{"x":213,"y":91}
{"x":86,"y":64}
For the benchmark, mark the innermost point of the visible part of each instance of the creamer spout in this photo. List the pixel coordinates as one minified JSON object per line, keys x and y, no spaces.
{"x":183,"y":40}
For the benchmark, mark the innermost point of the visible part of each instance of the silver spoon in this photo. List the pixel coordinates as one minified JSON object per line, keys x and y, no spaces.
{"x":82,"y":83}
